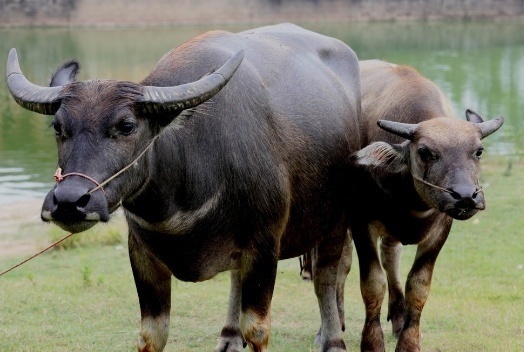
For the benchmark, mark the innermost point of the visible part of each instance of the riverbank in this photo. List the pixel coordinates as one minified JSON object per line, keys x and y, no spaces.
{"x":15,"y":13}
{"x":19,"y":224}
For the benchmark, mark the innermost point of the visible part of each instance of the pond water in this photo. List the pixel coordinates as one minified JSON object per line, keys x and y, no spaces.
{"x":479,"y":65}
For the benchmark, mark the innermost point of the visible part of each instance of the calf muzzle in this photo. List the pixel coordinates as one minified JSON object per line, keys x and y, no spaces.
{"x":464,"y":201}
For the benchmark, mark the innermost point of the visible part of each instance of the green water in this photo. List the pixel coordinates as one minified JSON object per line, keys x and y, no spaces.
{"x":479,"y":65}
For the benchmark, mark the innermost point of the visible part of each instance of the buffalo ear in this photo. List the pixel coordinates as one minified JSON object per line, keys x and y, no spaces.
{"x":380,"y":161}
{"x":65,"y":74}
{"x":382,"y":156}
{"x":472,"y":116}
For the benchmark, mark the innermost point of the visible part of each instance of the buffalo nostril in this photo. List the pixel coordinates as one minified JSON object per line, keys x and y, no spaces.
{"x":83,"y":200}
{"x":455,"y":194}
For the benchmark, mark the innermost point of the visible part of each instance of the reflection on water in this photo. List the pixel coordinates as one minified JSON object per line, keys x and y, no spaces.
{"x":480,"y":65}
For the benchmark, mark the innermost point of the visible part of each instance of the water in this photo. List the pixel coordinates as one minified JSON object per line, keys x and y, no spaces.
{"x":479,"y":65}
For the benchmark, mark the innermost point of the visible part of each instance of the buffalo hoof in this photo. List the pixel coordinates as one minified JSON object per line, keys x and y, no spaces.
{"x":230,"y":340}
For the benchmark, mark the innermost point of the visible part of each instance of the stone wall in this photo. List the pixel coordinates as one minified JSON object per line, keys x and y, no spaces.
{"x":173,"y":12}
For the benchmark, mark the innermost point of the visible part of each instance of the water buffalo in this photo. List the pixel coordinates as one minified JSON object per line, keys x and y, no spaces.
{"x":217,"y":176}
{"x":418,"y":172}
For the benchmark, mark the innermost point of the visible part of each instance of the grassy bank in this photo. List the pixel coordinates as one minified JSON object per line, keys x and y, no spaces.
{"x":83,"y":298}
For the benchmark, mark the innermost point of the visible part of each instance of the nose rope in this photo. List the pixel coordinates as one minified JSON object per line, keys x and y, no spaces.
{"x":431,"y":184}
{"x":100,"y":186}
{"x":59,"y":178}
{"x":477,"y":191}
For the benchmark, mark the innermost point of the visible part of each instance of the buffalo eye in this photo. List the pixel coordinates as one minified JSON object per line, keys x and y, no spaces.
{"x":57,"y":126}
{"x":426,"y":155}
{"x":126,"y":127}
{"x":479,"y":152}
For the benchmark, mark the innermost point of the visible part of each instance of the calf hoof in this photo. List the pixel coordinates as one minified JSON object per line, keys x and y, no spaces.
{"x":397,"y":324}
{"x":409,"y":341}
{"x":407,"y":347}
{"x":230,"y":340}
{"x":372,"y":338}
{"x":367,"y":347}
{"x":396,"y":316}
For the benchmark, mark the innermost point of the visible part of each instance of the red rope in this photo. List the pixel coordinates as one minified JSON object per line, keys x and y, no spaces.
{"x":59,"y":177}
{"x":37,"y":254}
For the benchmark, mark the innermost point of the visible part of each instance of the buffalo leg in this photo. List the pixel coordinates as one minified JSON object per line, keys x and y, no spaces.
{"x":417,"y":289}
{"x":230,"y":339}
{"x":391,"y":251}
{"x":153,"y":285}
{"x":344,"y":267}
{"x":326,"y":259}
{"x":305,"y":266}
{"x":372,"y":287}
{"x":258,"y":274}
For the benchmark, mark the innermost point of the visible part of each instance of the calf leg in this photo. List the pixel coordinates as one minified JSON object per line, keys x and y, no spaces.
{"x":391,"y":251}
{"x":230,"y":339}
{"x":372,"y":287}
{"x":417,"y":288}
{"x":153,"y":285}
{"x":326,"y":259}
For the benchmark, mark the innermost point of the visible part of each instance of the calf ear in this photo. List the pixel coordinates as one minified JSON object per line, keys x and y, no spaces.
{"x":472,"y":116}
{"x":382,"y":157}
{"x":65,"y":74}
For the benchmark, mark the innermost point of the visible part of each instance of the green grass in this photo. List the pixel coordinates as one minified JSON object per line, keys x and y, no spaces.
{"x":83,"y":298}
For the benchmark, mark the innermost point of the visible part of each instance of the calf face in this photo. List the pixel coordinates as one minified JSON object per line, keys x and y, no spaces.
{"x":442,"y":155}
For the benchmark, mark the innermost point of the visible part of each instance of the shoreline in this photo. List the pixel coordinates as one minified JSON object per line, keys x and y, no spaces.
{"x":164,"y":13}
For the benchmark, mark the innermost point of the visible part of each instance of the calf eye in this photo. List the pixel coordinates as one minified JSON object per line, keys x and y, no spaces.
{"x":426,"y":154}
{"x":126,"y":127}
{"x":479,"y":152}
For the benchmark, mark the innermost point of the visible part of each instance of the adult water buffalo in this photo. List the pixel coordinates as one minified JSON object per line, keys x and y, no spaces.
{"x":418,"y":172}
{"x":255,"y":175}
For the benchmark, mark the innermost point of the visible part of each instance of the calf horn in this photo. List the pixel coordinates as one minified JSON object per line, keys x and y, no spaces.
{"x":43,"y":100}
{"x":488,"y":127}
{"x":185,"y":96}
{"x":406,"y":130}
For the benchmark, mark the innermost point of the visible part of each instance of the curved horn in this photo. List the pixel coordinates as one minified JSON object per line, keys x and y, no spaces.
{"x":43,"y":100}
{"x":406,"y":130}
{"x":488,"y":127}
{"x":185,"y":96}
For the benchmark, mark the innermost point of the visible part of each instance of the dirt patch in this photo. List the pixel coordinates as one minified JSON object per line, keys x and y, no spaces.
{"x":17,"y":222}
